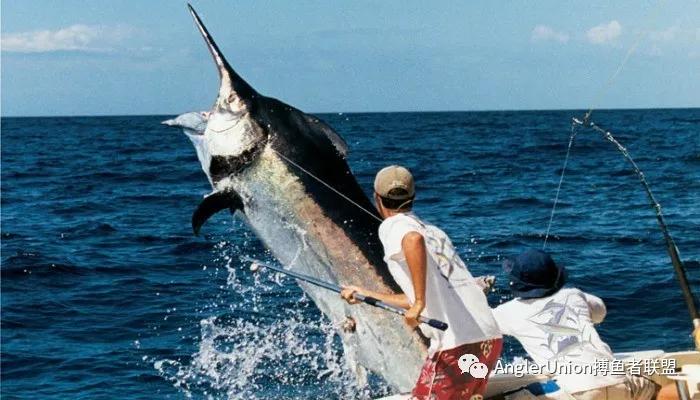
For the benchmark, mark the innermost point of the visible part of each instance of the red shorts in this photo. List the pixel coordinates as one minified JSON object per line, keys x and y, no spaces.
{"x":442,"y":379}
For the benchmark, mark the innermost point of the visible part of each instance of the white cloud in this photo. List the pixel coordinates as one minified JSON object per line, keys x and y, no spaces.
{"x":545,"y":33}
{"x":672,"y":40}
{"x":604,"y":33}
{"x":95,"y":38}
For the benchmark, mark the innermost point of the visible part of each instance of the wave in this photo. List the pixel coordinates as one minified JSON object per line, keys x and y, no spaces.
{"x":264,"y":352}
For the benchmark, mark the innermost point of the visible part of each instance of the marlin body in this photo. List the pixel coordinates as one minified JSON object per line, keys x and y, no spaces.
{"x":266,"y":160}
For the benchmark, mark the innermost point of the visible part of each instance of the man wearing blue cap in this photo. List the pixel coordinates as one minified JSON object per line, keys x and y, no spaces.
{"x":555,"y":325}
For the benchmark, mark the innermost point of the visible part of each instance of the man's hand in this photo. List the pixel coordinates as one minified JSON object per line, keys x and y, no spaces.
{"x":348,"y":294}
{"x":397,"y":299}
{"x":411,"y":315}
{"x":485,"y":282}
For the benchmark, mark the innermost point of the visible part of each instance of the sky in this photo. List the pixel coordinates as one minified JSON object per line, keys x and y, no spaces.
{"x":146,"y":57}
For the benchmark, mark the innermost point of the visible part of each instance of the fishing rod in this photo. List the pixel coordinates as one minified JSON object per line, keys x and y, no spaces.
{"x":671,"y":247}
{"x":437,"y":324}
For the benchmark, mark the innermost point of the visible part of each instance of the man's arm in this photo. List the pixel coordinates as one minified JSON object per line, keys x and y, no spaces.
{"x":413,"y":246}
{"x":596,"y":307}
{"x":395,"y":299}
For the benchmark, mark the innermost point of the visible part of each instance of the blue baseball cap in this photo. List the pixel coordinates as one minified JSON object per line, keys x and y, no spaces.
{"x":534,"y":274}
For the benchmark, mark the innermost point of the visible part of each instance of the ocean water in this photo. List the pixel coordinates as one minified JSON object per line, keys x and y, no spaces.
{"x":106,"y":293}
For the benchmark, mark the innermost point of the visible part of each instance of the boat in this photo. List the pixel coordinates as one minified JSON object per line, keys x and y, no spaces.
{"x":686,"y":378}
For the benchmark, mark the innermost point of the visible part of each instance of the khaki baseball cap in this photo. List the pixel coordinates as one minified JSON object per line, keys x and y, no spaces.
{"x":394,"y":177}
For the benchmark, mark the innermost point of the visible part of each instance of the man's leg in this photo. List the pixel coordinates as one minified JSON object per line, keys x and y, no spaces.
{"x":442,"y":378}
{"x":641,"y":387}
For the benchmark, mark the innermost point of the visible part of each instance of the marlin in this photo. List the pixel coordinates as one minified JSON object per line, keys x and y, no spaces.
{"x":285,"y":172}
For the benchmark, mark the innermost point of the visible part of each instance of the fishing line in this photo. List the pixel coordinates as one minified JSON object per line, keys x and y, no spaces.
{"x":373,"y":215}
{"x":586,"y":119}
{"x":614,"y":76}
{"x":561,"y":180}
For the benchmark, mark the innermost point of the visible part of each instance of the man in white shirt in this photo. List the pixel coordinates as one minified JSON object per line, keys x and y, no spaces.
{"x":555,"y":326}
{"x":435,"y":283}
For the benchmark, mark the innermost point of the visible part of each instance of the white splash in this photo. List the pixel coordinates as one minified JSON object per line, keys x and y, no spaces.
{"x":255,"y":351}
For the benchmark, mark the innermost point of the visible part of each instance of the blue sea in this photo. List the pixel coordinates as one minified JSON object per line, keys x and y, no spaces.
{"x":107,"y":294}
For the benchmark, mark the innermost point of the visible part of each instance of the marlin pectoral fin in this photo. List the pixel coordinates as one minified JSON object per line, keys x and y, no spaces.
{"x":211,"y":205}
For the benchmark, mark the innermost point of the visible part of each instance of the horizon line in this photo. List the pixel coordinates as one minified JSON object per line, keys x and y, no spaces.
{"x":584,"y":109}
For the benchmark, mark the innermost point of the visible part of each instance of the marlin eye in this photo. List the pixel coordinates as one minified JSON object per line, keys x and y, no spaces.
{"x":231,"y":98}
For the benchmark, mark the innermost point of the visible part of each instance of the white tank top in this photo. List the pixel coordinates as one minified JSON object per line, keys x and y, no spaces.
{"x":452,"y":295}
